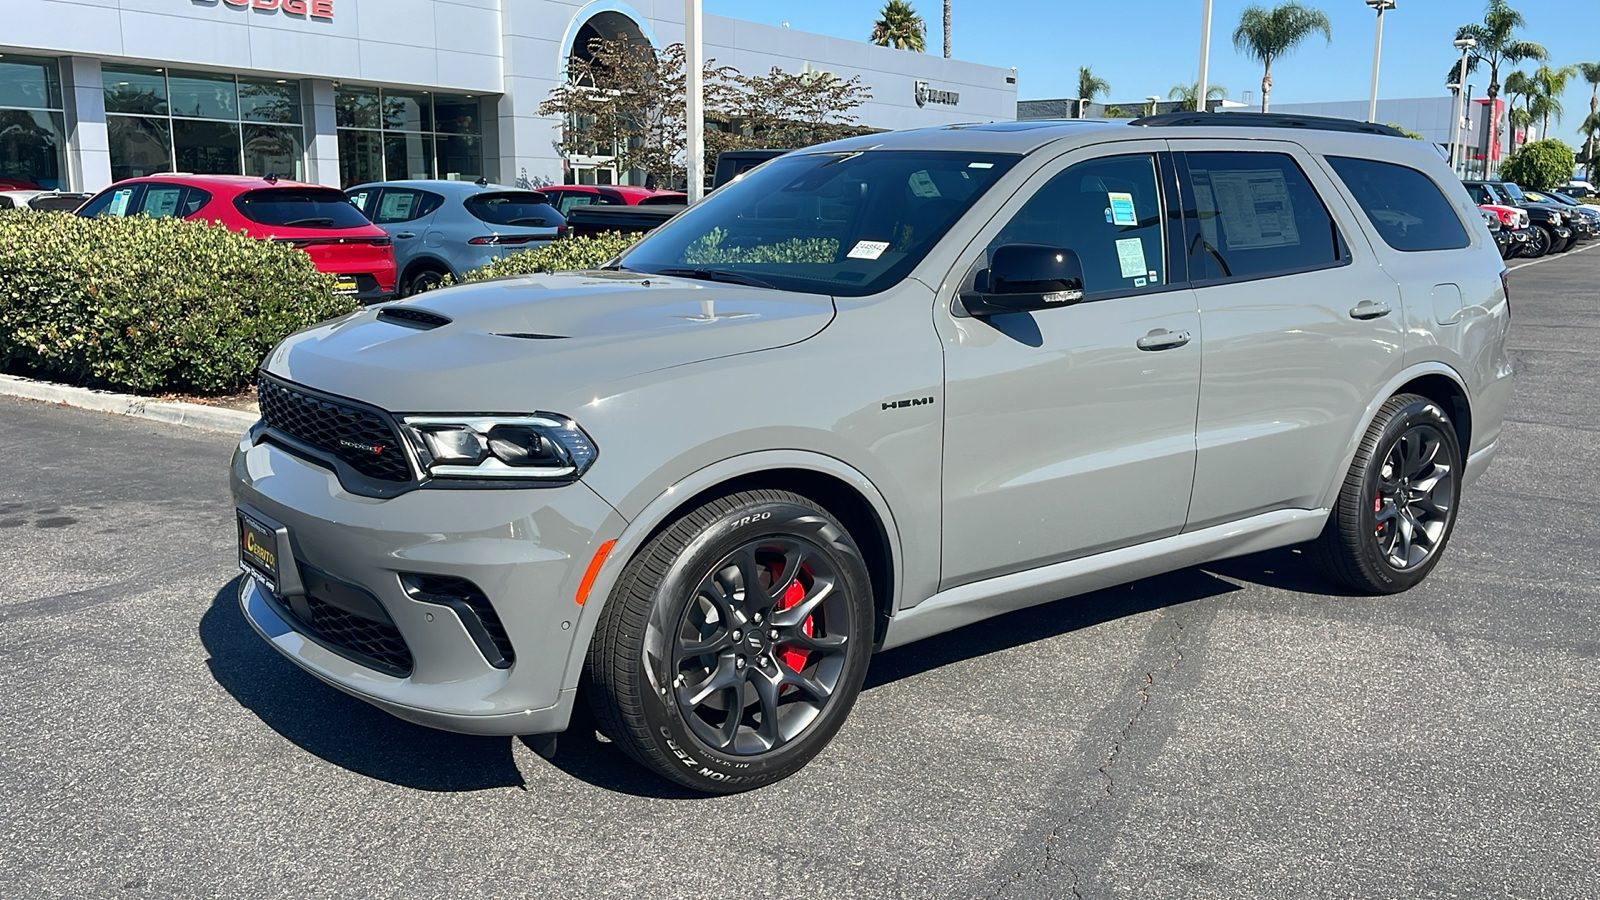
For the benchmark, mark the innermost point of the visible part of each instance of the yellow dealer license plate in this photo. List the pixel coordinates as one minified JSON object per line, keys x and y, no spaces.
{"x":258,"y":551}
{"x":344,"y":286}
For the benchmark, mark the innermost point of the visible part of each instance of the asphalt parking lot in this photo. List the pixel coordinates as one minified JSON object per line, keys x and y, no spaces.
{"x":1232,"y":731}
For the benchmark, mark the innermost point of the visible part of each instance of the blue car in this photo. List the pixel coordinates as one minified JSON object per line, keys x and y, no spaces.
{"x":452,"y":227}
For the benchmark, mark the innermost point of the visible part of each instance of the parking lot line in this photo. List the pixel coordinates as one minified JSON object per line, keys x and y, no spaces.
{"x":1535,"y":262}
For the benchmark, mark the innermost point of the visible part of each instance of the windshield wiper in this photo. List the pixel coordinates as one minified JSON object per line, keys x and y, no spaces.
{"x":722,"y":275}
{"x":328,"y":219}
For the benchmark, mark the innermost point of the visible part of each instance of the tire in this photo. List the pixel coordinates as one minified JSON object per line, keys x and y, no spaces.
{"x":1397,"y":508}
{"x":1539,"y":242}
{"x":421,"y":281}
{"x":666,"y":672}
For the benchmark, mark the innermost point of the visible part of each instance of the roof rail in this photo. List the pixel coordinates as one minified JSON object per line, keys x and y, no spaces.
{"x":1265,"y":120}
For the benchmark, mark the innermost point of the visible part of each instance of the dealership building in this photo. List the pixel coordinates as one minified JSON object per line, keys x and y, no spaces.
{"x":341,"y":92}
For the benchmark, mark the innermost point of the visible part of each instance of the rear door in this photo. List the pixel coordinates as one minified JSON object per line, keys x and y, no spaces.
{"x":406,"y":214}
{"x":1302,"y":326}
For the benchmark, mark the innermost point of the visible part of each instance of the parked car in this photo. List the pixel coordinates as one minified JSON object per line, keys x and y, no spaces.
{"x":316,"y":219}
{"x":1498,"y":230}
{"x":651,"y":212}
{"x":1552,"y":231}
{"x":449,"y":228}
{"x":43,"y":201}
{"x":1579,"y":188}
{"x":566,"y":196}
{"x":875,"y":390}
{"x":1514,"y":224}
{"x":1586,"y":216}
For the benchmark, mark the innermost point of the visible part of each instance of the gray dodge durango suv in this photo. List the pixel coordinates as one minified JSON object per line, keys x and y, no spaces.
{"x":874,"y":391}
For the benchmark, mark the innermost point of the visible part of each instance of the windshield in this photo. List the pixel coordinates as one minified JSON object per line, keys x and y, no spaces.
{"x":849,"y":224}
{"x":300,"y":208}
{"x":1512,"y":191}
{"x":1540,"y":197}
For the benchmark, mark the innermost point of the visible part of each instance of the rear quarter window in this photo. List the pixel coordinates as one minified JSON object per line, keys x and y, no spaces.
{"x":528,"y":209}
{"x":1405,"y":207}
{"x":300,"y":208}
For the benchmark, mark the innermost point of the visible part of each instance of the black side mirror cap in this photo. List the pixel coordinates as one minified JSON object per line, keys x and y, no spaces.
{"x":1026,"y":278}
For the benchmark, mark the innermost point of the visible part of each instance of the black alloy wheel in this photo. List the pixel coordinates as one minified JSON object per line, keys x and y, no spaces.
{"x":735,"y":642}
{"x":422,"y":281}
{"x":1397,"y":508}
{"x":1540,"y":240}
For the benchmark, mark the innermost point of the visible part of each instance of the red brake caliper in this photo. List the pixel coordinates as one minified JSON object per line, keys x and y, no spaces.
{"x":794,"y":659}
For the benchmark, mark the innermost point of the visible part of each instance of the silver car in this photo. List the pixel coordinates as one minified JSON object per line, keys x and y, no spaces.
{"x":448,"y":228}
{"x":876,"y":390}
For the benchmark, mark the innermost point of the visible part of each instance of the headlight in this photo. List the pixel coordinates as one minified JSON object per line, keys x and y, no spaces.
{"x":541,"y":446}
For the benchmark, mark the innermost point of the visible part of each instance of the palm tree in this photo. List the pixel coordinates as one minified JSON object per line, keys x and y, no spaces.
{"x":1497,"y":45}
{"x":1521,"y":120}
{"x":1591,"y":74}
{"x":946,"y":29}
{"x":900,"y":27}
{"x":1089,"y":87}
{"x":1265,"y":35}
{"x":1519,"y":84}
{"x":1590,"y":128}
{"x":1187,"y":92}
{"x":1552,"y":83}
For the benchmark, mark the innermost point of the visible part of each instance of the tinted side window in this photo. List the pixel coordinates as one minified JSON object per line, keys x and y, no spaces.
{"x":363,"y":199}
{"x":1408,"y":210}
{"x":115,"y":201}
{"x":162,"y":201}
{"x":566,"y":200}
{"x":399,"y":205}
{"x":300,"y":208}
{"x":1256,"y":214}
{"x":1106,"y":210}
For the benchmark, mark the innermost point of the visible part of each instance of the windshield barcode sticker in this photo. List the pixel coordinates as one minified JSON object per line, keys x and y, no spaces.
{"x":868,"y":249}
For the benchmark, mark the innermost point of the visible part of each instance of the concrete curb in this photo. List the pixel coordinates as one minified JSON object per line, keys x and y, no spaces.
{"x":193,"y":415}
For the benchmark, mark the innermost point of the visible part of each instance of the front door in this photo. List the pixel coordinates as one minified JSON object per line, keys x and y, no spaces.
{"x":1070,"y":431}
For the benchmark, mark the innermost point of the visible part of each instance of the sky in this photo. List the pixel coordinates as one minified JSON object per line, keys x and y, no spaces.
{"x":1146,"y":47}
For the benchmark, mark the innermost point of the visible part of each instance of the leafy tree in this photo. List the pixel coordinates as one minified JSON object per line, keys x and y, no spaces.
{"x":1116,"y":112}
{"x":783,"y":109}
{"x":1266,"y":35}
{"x":1089,"y":87}
{"x":900,"y":27}
{"x":1540,"y":165}
{"x":1407,"y":132}
{"x":1498,"y":45}
{"x":1186,"y":93}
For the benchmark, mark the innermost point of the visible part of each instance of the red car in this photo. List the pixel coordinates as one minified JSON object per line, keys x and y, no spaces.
{"x":317,"y":219}
{"x":565,"y":196}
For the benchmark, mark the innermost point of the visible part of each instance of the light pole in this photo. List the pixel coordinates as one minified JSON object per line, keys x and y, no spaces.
{"x":1205,"y":57}
{"x":694,"y":100}
{"x":1155,"y":100}
{"x":1377,"y":50}
{"x":1465,"y":45}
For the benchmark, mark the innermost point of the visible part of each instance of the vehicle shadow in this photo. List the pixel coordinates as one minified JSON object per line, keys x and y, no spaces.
{"x":339,"y":728}
{"x":349,"y":733}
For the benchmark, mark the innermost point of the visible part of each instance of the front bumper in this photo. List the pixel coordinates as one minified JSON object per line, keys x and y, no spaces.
{"x":525,"y":548}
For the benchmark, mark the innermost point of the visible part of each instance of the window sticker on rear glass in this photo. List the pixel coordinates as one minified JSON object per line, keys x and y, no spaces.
{"x":1130,"y":255}
{"x":868,"y":249}
{"x":1255,"y":209}
{"x":119,"y":202}
{"x":1121,"y":210}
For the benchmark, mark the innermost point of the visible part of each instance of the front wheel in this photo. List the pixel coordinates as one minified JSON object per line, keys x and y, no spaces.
{"x":1540,"y":240}
{"x":735,"y":643}
{"x":1397,"y":508}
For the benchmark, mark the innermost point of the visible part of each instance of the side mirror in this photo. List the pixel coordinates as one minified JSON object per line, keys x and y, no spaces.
{"x":1025,"y":278}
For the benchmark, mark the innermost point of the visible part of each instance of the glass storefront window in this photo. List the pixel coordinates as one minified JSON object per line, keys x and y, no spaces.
{"x":269,"y":100}
{"x":202,"y":96}
{"x":206,"y":148}
{"x":275,"y":150}
{"x":203,"y":123}
{"x":32,"y":125}
{"x":389,"y":135}
{"x":139,"y":146}
{"x":29,"y":83}
{"x":135,"y":90}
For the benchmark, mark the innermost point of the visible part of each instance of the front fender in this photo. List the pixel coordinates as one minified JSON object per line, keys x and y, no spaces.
{"x":662,"y":509}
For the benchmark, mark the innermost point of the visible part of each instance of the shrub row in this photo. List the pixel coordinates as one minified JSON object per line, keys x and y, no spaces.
{"x":149,"y":304}
{"x":568,"y":253}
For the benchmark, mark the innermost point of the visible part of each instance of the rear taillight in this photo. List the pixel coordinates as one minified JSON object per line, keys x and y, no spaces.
{"x":562,"y":231}
{"x":508,"y":239}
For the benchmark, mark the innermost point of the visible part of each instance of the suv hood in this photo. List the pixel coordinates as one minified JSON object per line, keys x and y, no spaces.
{"x":539,"y":342}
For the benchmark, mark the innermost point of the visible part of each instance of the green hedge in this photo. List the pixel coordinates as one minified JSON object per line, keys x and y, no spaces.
{"x":151,"y":305}
{"x":567,"y":253}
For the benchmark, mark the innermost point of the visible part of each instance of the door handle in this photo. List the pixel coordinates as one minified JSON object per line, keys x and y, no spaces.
{"x":405,"y":235}
{"x":1366,"y":309}
{"x":1162,"y":339}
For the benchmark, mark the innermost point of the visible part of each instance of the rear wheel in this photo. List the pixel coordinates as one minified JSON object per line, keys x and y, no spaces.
{"x":1397,"y":508}
{"x":422,"y":280}
{"x":735,"y":643}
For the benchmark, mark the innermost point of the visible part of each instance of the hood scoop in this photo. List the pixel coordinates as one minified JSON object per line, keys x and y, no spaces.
{"x":410,"y":317}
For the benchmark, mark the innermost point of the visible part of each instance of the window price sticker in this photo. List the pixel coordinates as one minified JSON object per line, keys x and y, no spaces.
{"x":868,"y":249}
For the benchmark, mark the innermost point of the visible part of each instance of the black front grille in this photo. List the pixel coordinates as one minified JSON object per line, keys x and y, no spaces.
{"x":375,"y":644}
{"x":362,"y":437}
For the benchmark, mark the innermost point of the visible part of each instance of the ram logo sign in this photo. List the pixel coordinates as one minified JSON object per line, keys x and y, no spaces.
{"x":926,"y":95}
